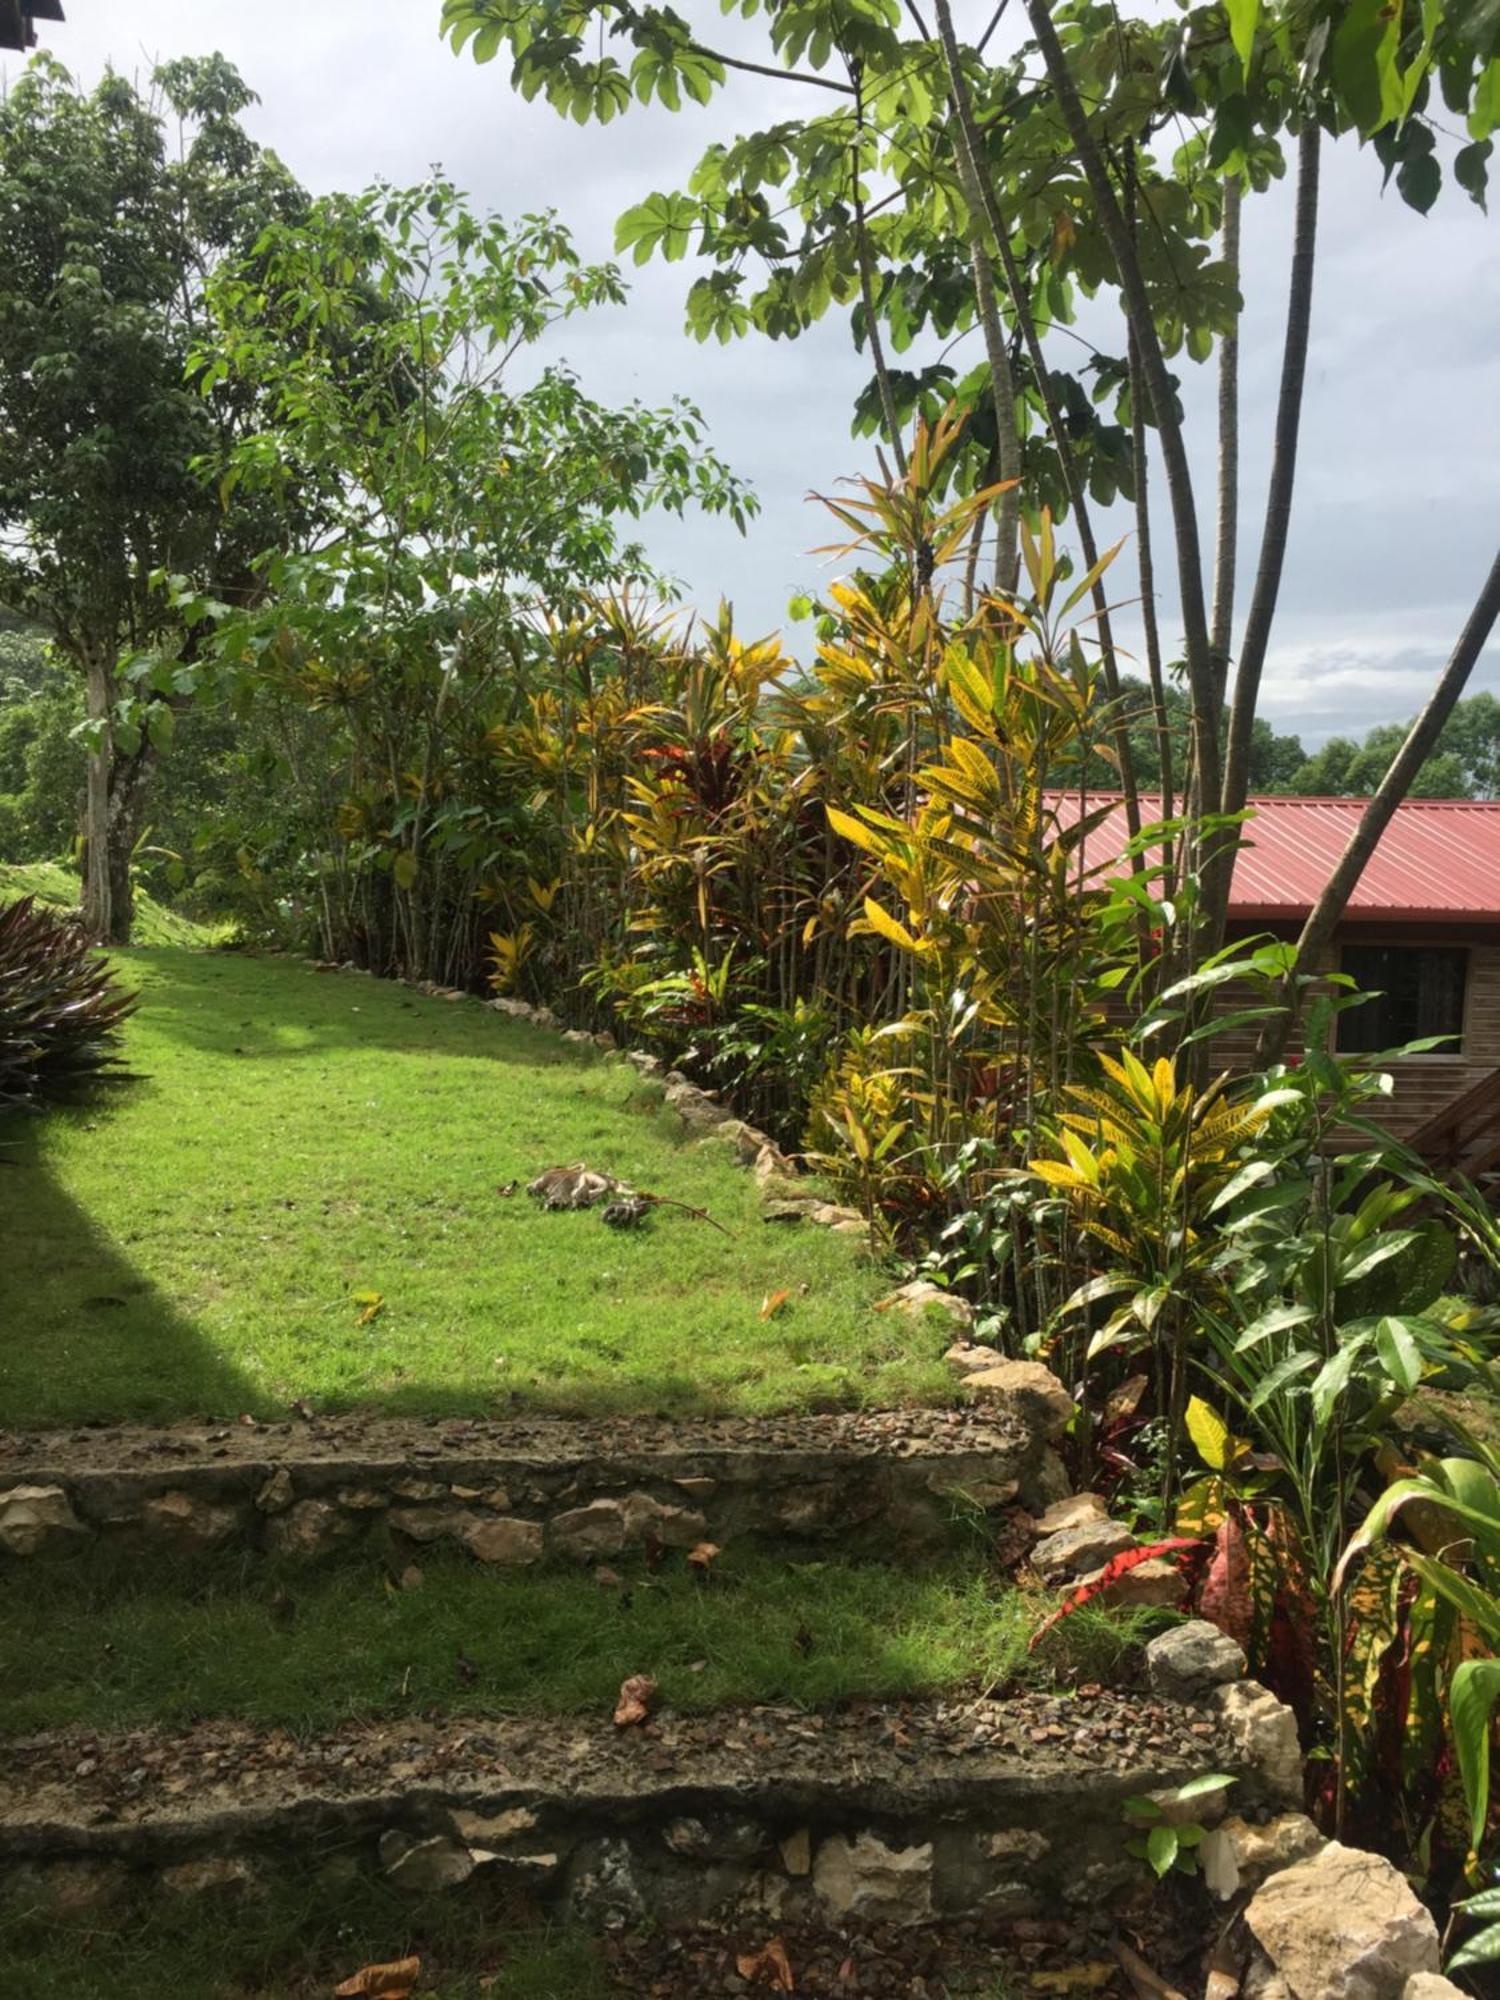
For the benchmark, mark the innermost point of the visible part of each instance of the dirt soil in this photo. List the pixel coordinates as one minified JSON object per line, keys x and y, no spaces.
{"x":1170,"y":1926}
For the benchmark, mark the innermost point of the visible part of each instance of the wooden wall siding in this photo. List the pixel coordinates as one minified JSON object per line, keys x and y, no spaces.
{"x":1423,"y":1084}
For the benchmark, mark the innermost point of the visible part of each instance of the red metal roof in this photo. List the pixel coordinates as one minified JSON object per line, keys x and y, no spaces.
{"x":1438,"y":860}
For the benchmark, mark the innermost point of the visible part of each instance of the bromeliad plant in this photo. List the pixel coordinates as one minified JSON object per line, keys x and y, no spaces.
{"x":61,"y":1009}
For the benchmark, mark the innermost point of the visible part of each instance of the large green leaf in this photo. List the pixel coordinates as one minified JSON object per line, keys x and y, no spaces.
{"x":1472,"y":1696}
{"x":1244,"y":16}
{"x":662,"y":222}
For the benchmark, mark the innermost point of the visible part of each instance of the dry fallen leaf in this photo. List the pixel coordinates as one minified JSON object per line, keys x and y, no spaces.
{"x":773,"y":1303}
{"x":1126,"y":1399}
{"x":769,"y":1967}
{"x":371,"y":1305}
{"x":1221,"y":1985}
{"x":637,"y":1698}
{"x":381,"y":1982}
{"x":701,"y":1557}
{"x":1089,"y":1977}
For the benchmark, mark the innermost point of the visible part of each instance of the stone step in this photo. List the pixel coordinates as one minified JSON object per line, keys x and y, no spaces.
{"x":875,"y":1811}
{"x":517,"y":1491}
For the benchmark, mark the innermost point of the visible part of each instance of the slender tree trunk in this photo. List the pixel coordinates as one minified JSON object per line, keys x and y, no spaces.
{"x":1002,"y":381}
{"x":1146,"y":569}
{"x":1283,"y":476}
{"x":97,"y":892}
{"x":1003,"y":395}
{"x":971,"y":149}
{"x":877,"y":346}
{"x":1221,"y":618}
{"x":1137,"y":305}
{"x":129,"y":780}
{"x":867,"y":279}
{"x":1394,"y":786}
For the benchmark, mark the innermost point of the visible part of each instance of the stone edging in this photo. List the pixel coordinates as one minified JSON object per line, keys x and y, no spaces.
{"x":544,"y":1489}
{"x":891,"y":1811}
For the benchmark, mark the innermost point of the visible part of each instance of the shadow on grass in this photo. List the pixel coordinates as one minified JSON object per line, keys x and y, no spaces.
{"x":74,"y":1309}
{"x":280,"y":1007}
{"x":302,"y":1142}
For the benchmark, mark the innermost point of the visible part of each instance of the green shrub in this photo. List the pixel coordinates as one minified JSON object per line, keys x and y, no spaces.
{"x":61,"y":1009}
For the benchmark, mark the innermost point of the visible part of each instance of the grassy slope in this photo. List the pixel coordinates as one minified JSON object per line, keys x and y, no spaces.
{"x":130,"y":1650}
{"x":57,"y":886}
{"x":191,"y":1245}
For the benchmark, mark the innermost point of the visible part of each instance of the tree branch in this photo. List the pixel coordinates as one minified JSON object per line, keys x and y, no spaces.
{"x":1421,"y":740}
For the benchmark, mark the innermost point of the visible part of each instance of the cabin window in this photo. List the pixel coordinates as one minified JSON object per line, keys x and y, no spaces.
{"x":1418,"y":989}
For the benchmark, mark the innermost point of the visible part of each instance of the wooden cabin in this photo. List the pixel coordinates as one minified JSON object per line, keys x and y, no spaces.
{"x":1421,"y":933}
{"x":18,"y":20}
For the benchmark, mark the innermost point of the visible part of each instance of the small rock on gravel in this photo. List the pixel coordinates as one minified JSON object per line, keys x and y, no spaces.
{"x":1190,"y":1660}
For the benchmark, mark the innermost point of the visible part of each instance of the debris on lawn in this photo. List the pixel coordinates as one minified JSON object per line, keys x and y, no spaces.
{"x":628,"y":1213}
{"x":382,"y":1982}
{"x":637,"y":1699}
{"x":582,"y":1186}
{"x":768,"y":1967}
{"x":578,"y":1186}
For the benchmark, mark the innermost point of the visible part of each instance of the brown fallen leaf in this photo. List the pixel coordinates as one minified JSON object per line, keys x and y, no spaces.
{"x":700,"y":1557}
{"x":768,"y":1967}
{"x":1088,"y":1977}
{"x":773,"y":1303}
{"x":637,"y":1699}
{"x":381,"y":1982}
{"x":1126,"y":1399}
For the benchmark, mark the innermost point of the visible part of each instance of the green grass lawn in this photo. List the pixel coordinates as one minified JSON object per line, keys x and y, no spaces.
{"x":57,"y":886}
{"x":128,"y":1648}
{"x":295,"y":1943}
{"x":195,"y":1242}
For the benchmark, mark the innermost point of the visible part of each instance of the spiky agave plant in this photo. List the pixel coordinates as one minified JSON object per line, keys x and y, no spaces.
{"x":61,"y":1009}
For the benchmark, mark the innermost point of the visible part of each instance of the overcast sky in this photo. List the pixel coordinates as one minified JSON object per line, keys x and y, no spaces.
{"x":1398,"y":502}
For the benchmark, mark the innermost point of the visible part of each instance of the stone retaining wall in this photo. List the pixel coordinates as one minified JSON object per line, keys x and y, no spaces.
{"x":878,"y":1811}
{"x":581,"y":1492}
